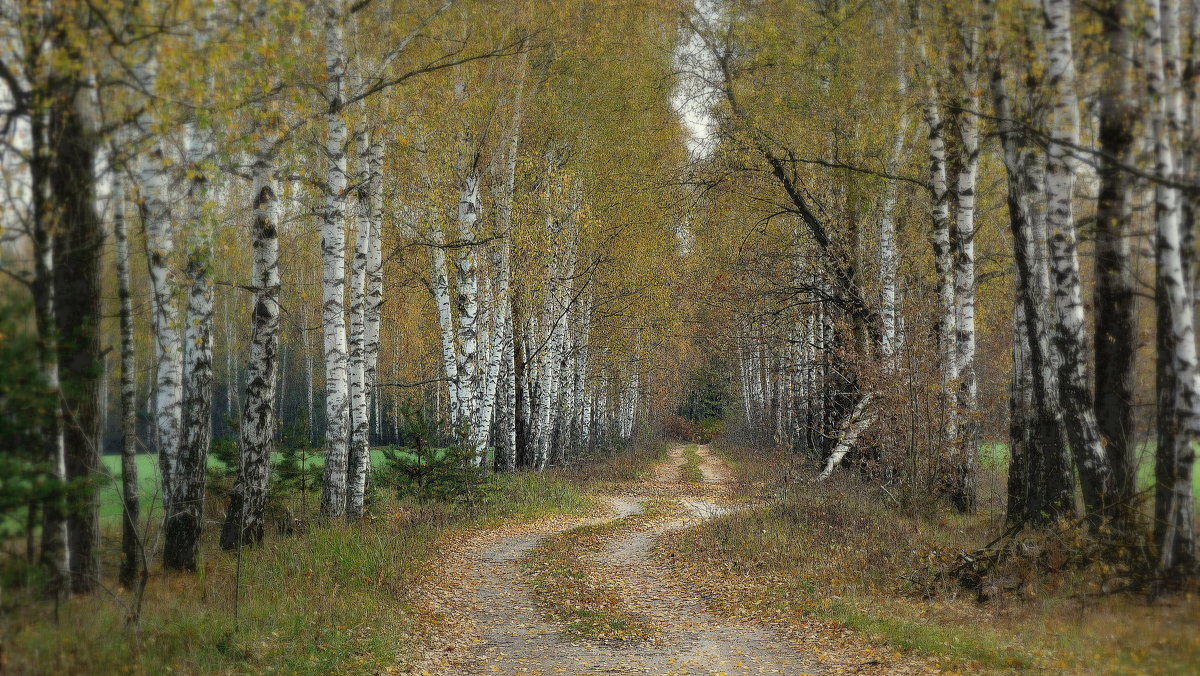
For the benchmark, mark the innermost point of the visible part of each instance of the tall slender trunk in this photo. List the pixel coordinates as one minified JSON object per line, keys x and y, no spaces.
{"x":1115,"y":320}
{"x":889,"y":258}
{"x":359,"y":398}
{"x":1070,"y":339}
{"x":441,"y":296}
{"x":77,"y":249}
{"x":168,"y":339}
{"x":374,"y":290}
{"x":131,"y":554}
{"x":1178,"y":396}
{"x":185,"y":520}
{"x":55,"y":548}
{"x":943,"y":258}
{"x":333,"y":250}
{"x":467,"y":305}
{"x":963,"y":489}
{"x":1049,"y":484}
{"x":244,"y":522}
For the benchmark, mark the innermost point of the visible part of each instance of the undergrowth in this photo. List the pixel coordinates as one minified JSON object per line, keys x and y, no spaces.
{"x":331,"y":598}
{"x":843,"y":552}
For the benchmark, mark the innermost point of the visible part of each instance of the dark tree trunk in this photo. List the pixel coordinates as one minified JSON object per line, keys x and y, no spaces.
{"x":1116,"y":325}
{"x":131,"y":552}
{"x":77,"y":308}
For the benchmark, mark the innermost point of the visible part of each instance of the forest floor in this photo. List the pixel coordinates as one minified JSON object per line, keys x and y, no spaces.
{"x":658,"y":558}
{"x":591,"y":594}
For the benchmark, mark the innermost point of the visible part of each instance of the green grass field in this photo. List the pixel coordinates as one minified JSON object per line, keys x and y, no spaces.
{"x":995,"y":456}
{"x":150,"y":485}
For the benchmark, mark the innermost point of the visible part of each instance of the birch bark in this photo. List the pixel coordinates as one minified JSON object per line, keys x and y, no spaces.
{"x":333,"y":253}
{"x":359,"y":447}
{"x":1050,"y":484}
{"x":962,"y":491}
{"x":1178,"y":398}
{"x":943,"y":258}
{"x":185,"y":520}
{"x":245,"y":520}
{"x":1070,"y":338}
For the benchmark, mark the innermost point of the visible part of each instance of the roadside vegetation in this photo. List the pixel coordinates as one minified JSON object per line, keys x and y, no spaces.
{"x":316,"y":597}
{"x":849,"y":553}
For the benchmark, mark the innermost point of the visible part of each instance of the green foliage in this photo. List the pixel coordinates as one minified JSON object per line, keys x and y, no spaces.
{"x":426,"y":473}
{"x":709,"y":393}
{"x":296,"y":469}
{"x":26,"y":404}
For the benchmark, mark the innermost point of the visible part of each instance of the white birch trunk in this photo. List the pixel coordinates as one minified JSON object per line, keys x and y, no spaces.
{"x":467,"y":302}
{"x":185,"y":517}
{"x":374,"y":289}
{"x":889,"y":258}
{"x":851,"y":429}
{"x":1071,"y":339}
{"x":1178,"y":397}
{"x":246,"y":518}
{"x":333,"y":254}
{"x":943,"y":260}
{"x":359,"y":448}
{"x":963,"y":482}
{"x":441,"y":296}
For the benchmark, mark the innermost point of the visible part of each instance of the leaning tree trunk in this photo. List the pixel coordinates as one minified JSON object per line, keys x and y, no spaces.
{"x":1178,"y":398}
{"x":245,"y":519}
{"x":1048,"y":480}
{"x":1071,"y":337}
{"x":333,"y":253}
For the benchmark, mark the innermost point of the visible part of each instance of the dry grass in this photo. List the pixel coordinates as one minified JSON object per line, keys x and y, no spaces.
{"x":332,"y":599}
{"x":842,"y":552}
{"x":607,"y":471}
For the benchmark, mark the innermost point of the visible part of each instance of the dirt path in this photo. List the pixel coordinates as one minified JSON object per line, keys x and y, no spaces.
{"x":501,"y":631}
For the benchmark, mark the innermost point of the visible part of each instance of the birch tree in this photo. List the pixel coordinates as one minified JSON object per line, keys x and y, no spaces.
{"x":1178,"y":424}
{"x":245,"y":519}
{"x":1070,"y":337}
{"x":185,"y":519}
{"x":333,"y":247}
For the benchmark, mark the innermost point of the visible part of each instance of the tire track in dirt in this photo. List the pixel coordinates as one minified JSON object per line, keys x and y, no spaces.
{"x":493,"y":625}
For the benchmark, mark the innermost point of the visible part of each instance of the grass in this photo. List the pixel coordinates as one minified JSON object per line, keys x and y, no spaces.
{"x":837,"y":552}
{"x":995,"y":457}
{"x":571,"y":591}
{"x":606,"y":472}
{"x":690,"y":471}
{"x":334,"y":598}
{"x":150,"y":483}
